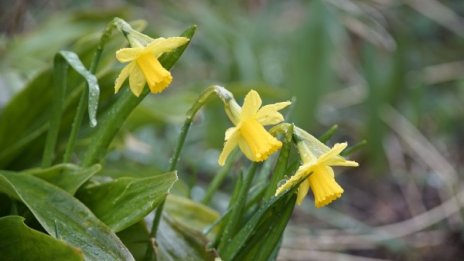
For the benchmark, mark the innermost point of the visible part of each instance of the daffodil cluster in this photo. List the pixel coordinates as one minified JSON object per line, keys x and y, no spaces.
{"x":249,"y":120}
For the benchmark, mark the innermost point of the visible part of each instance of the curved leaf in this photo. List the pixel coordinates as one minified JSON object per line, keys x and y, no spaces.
{"x":19,"y":242}
{"x":69,"y":177}
{"x":94,"y":91}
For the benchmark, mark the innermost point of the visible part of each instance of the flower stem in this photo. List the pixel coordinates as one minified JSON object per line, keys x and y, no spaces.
{"x":202,"y":99}
{"x":218,"y":179}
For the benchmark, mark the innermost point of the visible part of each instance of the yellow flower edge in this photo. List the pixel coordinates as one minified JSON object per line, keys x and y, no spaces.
{"x":143,"y":65}
{"x":249,"y":133}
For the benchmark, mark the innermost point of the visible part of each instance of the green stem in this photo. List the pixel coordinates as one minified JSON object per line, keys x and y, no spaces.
{"x":202,"y":99}
{"x":59,"y":83}
{"x":237,"y":212}
{"x":218,"y":180}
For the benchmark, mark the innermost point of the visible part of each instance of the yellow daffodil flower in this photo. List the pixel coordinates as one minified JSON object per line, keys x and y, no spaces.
{"x":316,"y":172}
{"x":249,"y":132}
{"x":144,"y":65}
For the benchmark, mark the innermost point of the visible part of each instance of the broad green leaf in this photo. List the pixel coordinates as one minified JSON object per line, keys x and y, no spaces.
{"x":268,"y":222}
{"x":64,"y":217}
{"x":192,"y":214}
{"x":69,"y":177}
{"x":125,"y":201}
{"x":178,"y":242}
{"x":28,"y":120}
{"x":19,"y":242}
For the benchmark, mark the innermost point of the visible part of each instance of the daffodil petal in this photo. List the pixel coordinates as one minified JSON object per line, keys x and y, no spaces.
{"x":342,"y":162}
{"x":156,"y":76}
{"x":269,"y":115}
{"x":123,"y":76}
{"x":301,"y":173}
{"x":164,"y":45}
{"x":333,"y":152}
{"x":230,"y":132}
{"x":136,"y":81}
{"x":129,"y":54}
{"x":229,"y":145}
{"x":302,"y":191}
{"x":251,"y":104}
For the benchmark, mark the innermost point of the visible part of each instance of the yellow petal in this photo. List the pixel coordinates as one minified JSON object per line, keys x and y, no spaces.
{"x":129,"y":54}
{"x":333,"y":152}
{"x":123,"y":76}
{"x":230,"y":132}
{"x":156,"y":76}
{"x":269,"y":115}
{"x":251,"y":104}
{"x":136,"y":81}
{"x":302,"y":191}
{"x":301,"y":173}
{"x":229,"y":145}
{"x":164,"y":45}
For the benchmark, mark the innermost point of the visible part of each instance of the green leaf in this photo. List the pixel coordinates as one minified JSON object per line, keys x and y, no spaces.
{"x":192,"y":214}
{"x":268,"y":222}
{"x":177,"y":242}
{"x":135,"y":239}
{"x":19,"y":242}
{"x":64,"y":217}
{"x":28,"y":120}
{"x":125,"y":201}
{"x":94,"y":91}
{"x":69,"y":177}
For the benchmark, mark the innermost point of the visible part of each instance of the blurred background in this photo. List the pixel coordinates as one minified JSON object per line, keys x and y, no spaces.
{"x":387,"y":72}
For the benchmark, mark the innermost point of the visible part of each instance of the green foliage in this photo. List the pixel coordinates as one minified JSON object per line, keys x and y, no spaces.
{"x":344,"y":62}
